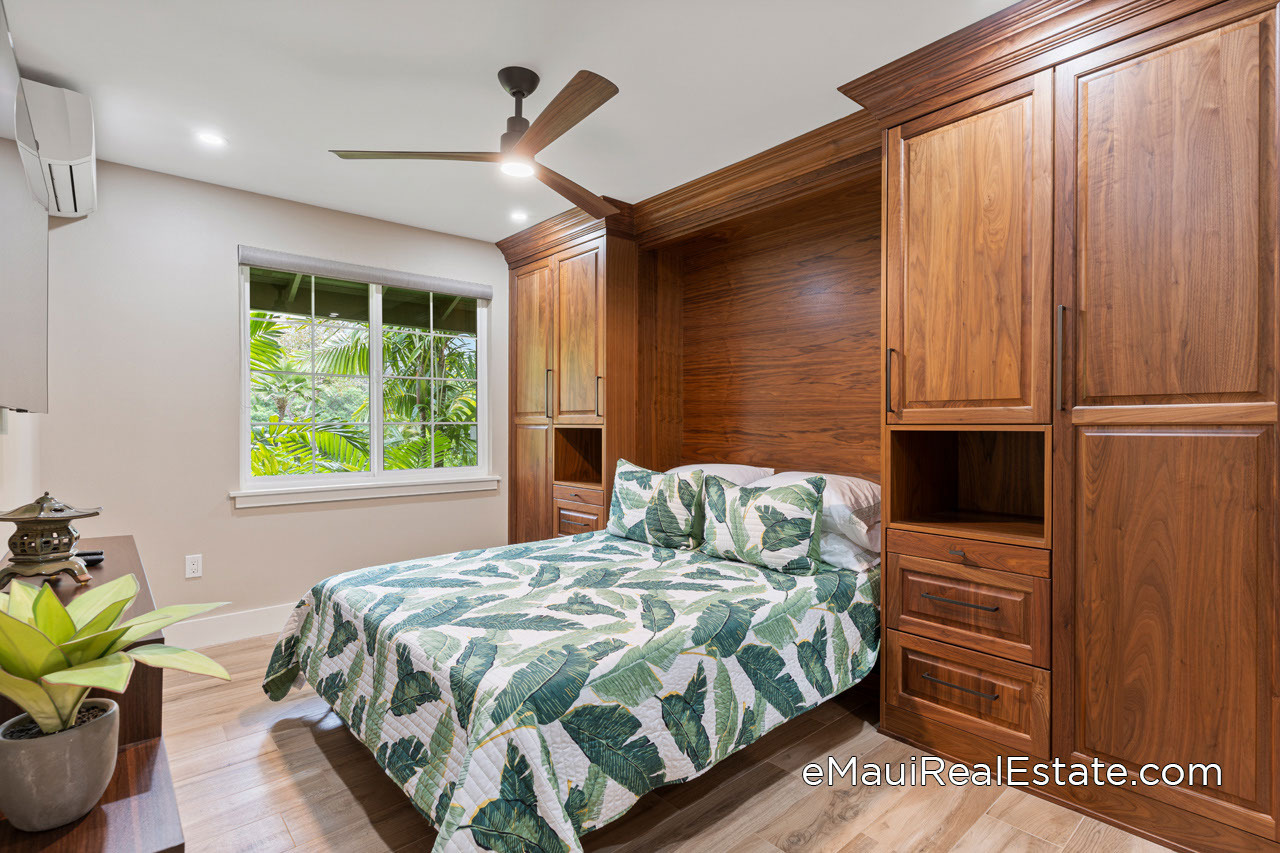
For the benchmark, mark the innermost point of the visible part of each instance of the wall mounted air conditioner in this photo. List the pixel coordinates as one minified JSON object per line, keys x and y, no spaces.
{"x":62,"y":169}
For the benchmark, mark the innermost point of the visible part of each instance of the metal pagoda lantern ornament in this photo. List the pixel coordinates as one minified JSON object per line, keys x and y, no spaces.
{"x":44,"y":545}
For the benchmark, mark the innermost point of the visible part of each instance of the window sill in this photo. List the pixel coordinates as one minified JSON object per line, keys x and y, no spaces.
{"x":311,"y":494}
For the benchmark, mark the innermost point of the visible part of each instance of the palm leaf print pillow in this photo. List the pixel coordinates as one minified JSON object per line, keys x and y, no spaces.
{"x":777,"y":528}
{"x":661,"y":509}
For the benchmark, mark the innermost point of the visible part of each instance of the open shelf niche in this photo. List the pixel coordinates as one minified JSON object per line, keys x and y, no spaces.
{"x":579,"y":456}
{"x":986,"y":483}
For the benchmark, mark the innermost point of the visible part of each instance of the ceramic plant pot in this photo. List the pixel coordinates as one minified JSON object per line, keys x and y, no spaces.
{"x":55,"y":779}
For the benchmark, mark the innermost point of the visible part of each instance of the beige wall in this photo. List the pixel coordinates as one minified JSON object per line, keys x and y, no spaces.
{"x":145,"y":389}
{"x":19,"y":452}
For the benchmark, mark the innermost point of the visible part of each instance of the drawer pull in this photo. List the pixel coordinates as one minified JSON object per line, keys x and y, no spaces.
{"x":571,"y":521}
{"x":956,"y":552}
{"x":992,"y":696}
{"x":985,"y":607}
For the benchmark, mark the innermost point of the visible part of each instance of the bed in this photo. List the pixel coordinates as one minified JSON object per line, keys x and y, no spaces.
{"x":524,"y":695}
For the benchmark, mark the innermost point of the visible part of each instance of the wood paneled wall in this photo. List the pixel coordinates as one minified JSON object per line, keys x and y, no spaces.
{"x":780,"y":326}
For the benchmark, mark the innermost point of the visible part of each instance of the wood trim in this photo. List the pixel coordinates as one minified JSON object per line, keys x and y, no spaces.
{"x":563,"y":231}
{"x":1015,"y":42}
{"x":1203,"y":413}
{"x":843,"y":150}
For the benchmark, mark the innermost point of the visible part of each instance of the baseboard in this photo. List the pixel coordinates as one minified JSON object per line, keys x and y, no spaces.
{"x":228,"y":627}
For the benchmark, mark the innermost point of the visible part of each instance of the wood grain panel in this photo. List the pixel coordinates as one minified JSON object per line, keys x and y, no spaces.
{"x":1174,"y":277}
{"x":530,"y":507}
{"x":968,"y":262}
{"x":1173,"y":615}
{"x":780,"y":337}
{"x":1166,"y":220}
{"x":531,"y":342}
{"x":574,"y":518}
{"x":579,"y":309}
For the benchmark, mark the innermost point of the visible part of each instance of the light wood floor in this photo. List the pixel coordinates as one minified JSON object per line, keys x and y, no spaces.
{"x":254,"y":775}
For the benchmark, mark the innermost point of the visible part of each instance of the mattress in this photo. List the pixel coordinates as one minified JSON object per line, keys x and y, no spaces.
{"x":524,"y":695}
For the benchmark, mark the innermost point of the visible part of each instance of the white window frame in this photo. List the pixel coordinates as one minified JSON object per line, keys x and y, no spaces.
{"x":376,"y":482}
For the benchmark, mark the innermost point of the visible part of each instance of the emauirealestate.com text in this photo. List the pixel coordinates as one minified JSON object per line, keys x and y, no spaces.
{"x":1007,"y":770}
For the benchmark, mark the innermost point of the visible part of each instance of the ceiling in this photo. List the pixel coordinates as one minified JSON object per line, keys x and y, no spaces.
{"x":703,"y":84}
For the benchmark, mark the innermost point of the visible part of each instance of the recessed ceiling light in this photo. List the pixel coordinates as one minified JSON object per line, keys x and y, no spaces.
{"x":519,"y":216}
{"x":211,"y":139}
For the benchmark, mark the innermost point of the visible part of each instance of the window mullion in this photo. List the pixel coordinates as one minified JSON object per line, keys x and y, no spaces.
{"x":375,"y":380}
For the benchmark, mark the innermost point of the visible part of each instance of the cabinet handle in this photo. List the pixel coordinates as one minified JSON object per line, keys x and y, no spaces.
{"x":959,"y":603}
{"x":546,"y":392}
{"x":598,"y":378}
{"x":888,"y":380}
{"x":992,"y":696}
{"x":1060,"y":318}
{"x":571,"y":521}
{"x":956,"y":552}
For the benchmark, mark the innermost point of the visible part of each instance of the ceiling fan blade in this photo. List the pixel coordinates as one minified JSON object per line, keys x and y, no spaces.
{"x":470,"y":156}
{"x":576,"y":193}
{"x":580,"y":97}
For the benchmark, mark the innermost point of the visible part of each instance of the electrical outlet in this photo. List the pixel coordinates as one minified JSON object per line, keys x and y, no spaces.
{"x":195,"y":565}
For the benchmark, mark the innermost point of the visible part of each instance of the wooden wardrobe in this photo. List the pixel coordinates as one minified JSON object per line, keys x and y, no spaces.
{"x":1080,"y":449}
{"x":575,"y":380}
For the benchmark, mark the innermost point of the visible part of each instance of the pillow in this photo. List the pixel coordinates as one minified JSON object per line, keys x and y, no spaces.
{"x":661,"y":509}
{"x":850,"y":509}
{"x":777,"y":528}
{"x":739,"y":475}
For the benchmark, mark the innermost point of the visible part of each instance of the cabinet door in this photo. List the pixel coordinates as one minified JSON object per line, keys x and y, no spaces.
{"x":532,"y":308}
{"x":530,"y":514}
{"x":1170,"y":593}
{"x":1167,"y":224}
{"x":579,"y":362}
{"x":969,"y":197}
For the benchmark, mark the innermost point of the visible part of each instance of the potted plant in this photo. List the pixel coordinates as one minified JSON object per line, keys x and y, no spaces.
{"x":57,"y":759}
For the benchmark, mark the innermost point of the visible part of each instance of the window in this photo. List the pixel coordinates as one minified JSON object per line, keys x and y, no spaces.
{"x":348,"y":382}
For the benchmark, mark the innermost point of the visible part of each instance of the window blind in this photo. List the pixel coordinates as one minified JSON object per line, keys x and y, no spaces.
{"x":286,"y":262}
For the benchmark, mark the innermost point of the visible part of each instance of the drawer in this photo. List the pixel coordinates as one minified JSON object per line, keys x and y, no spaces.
{"x":969,"y":552}
{"x":578,"y":494}
{"x":995,"y":612}
{"x":573,"y":518}
{"x":1000,"y":700}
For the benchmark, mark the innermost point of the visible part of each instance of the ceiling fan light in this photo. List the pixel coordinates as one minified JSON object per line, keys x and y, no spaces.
{"x":517,"y":167}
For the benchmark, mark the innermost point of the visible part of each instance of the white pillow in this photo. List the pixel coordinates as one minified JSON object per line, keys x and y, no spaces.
{"x":850,"y":517}
{"x":739,"y":475}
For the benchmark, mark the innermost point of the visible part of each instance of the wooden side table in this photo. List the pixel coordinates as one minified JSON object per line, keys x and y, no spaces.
{"x":139,"y":812}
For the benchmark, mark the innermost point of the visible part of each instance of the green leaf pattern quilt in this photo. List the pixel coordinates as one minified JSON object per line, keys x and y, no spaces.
{"x":524,"y":695}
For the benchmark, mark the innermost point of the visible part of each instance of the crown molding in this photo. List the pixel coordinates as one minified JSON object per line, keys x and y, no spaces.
{"x":842,"y":150}
{"x":1013,"y":43}
{"x":563,"y":230}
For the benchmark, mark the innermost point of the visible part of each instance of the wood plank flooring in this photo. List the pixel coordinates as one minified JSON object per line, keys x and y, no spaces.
{"x":265,"y":777}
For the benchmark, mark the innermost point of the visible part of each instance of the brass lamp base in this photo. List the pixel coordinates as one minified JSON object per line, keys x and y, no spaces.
{"x":73,"y":566}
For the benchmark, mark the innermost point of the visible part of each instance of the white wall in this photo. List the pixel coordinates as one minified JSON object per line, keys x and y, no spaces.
{"x":145,"y":392}
{"x":19,"y":451}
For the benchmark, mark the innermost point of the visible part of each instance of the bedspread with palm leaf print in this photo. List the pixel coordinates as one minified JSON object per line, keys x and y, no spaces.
{"x":526,"y":694}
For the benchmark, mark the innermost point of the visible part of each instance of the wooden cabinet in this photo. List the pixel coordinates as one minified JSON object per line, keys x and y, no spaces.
{"x":532,"y":305}
{"x":575,"y":325}
{"x":1173,"y":609}
{"x":579,"y":334}
{"x":529,"y":517}
{"x":1167,"y":223}
{"x":968,"y":231}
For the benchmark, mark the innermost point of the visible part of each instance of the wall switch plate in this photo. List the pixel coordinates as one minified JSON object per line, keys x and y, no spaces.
{"x":195,"y":565}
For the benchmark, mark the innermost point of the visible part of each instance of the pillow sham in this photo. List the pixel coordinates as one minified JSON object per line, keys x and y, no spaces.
{"x":739,"y":475}
{"x":777,"y":528}
{"x":661,"y":509}
{"x":850,"y":509}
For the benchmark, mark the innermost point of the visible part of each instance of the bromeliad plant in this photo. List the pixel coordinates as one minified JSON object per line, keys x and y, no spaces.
{"x":51,"y":655}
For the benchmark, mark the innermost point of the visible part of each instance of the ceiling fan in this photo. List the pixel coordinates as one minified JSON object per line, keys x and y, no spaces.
{"x":580,"y":97}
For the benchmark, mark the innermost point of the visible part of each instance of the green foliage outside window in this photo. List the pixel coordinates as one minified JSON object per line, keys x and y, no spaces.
{"x":310,"y":372}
